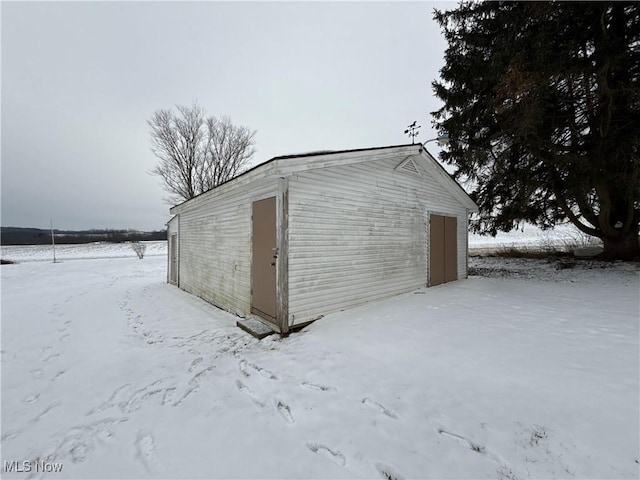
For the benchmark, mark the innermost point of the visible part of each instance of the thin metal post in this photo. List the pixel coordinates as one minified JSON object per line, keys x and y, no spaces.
{"x":53,"y":242}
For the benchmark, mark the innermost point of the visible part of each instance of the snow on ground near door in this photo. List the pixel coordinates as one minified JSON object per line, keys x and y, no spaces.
{"x":115,"y":374}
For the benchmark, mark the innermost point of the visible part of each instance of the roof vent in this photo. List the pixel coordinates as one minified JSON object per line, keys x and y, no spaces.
{"x":408,"y":166}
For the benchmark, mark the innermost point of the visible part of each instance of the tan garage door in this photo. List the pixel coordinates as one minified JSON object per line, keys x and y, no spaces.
{"x":443,"y":249}
{"x":263,"y":268}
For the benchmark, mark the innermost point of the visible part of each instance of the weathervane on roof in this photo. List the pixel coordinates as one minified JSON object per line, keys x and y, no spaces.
{"x":412,"y":131}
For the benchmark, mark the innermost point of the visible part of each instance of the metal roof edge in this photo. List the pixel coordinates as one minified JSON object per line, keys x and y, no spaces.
{"x":336,"y":152}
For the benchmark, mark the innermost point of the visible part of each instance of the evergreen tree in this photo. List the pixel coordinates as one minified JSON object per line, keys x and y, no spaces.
{"x":542,"y":107}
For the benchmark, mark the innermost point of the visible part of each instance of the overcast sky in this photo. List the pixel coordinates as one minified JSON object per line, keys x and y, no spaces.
{"x":80,"y":80}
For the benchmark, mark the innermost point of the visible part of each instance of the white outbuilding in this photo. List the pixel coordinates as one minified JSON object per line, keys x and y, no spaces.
{"x":301,"y":236}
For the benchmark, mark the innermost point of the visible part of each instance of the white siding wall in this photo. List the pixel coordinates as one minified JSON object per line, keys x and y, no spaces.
{"x":215,"y":244}
{"x":358,"y":233}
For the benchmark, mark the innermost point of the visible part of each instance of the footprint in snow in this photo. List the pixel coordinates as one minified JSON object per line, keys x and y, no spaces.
{"x":334,"y":455}
{"x":36,"y":373}
{"x":380,"y":408}
{"x":46,"y":411}
{"x":79,"y":452}
{"x":245,"y":368}
{"x":267,"y":373}
{"x":505,"y":473}
{"x":387,"y":472}
{"x":51,"y":357}
{"x":192,"y":387}
{"x":470,"y":444}
{"x":80,"y":440}
{"x":247,"y":391}
{"x":11,"y":434}
{"x":146,"y":451}
{"x":31,"y":399}
{"x":284,"y":411}
{"x":119,"y":395}
{"x":195,"y":380}
{"x":195,"y":363}
{"x":104,"y":436}
{"x":139,"y":397}
{"x":167,"y":396}
{"x":317,"y":387}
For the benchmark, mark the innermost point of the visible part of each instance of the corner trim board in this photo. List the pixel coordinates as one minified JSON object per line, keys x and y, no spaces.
{"x":282,"y":276}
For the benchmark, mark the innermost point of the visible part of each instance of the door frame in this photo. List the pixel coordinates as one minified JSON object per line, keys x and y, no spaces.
{"x":434,"y":256}
{"x":173,"y":228}
{"x":173,"y":258}
{"x":440,"y":213}
{"x":282,"y":262}
{"x":450,"y":254}
{"x":281,"y":324}
{"x":264,"y":252}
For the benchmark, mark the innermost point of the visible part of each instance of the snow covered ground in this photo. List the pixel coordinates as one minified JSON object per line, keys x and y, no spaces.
{"x":43,"y":253}
{"x":530,"y":370}
{"x":531,"y":237}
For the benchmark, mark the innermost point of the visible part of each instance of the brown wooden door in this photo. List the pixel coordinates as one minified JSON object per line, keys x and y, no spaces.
{"x":263,"y":268}
{"x":450,"y":249}
{"x":436,"y":250}
{"x":443,"y":249}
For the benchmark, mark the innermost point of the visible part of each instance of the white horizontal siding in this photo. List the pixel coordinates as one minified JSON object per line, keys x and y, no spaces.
{"x":243,"y":181}
{"x":359,"y":232}
{"x":215,"y":245}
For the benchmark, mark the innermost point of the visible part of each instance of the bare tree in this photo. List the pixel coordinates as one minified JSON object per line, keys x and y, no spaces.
{"x":197,"y":153}
{"x":177,"y":141}
{"x":139,"y":248}
{"x":229,"y":148}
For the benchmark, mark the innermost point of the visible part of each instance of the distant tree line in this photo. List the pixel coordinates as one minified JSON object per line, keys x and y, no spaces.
{"x":38,"y":236}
